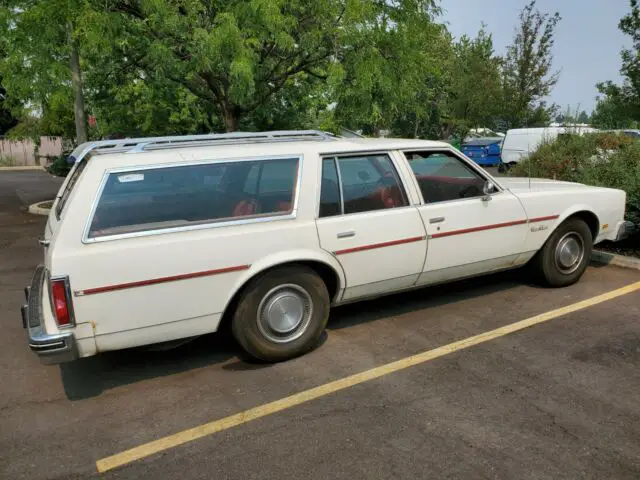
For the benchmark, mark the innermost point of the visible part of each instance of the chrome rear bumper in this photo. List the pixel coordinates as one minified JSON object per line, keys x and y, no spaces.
{"x":51,"y":348}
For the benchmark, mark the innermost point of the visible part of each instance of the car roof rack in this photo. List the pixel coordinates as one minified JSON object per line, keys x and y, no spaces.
{"x":137,"y":145}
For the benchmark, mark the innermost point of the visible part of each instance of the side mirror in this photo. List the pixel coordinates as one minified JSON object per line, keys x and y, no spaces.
{"x":488,"y":189}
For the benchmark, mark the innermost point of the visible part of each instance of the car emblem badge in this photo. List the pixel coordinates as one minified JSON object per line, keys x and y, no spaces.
{"x":539,"y":228}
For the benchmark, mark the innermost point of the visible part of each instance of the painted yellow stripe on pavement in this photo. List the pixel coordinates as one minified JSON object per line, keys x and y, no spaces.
{"x":180,"y":438}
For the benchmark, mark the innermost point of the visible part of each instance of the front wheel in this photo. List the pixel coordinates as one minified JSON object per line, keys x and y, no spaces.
{"x":565,"y":255}
{"x":282,"y":314}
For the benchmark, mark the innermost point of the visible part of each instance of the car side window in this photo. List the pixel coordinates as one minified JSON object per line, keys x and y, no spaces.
{"x":178,"y":196}
{"x":370,"y":183}
{"x":444,"y":177}
{"x":330,"y":202}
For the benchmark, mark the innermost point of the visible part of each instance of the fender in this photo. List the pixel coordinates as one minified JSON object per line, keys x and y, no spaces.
{"x":289,"y":256}
{"x":568,"y":212}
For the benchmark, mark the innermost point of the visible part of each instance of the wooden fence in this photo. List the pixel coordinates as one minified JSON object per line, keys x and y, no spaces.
{"x":24,"y":153}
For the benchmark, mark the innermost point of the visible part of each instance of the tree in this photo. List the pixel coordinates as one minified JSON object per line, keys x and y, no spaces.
{"x":43,"y":63}
{"x":583,"y":117}
{"x":244,"y":59}
{"x":7,"y":119}
{"x":391,"y":74}
{"x":613,"y":112}
{"x":238,"y":57}
{"x":621,"y":103}
{"x":476,"y":86}
{"x":527,"y":73}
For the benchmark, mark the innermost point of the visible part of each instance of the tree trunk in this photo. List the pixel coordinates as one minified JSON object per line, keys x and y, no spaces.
{"x":76,"y":82}
{"x":230,"y":117}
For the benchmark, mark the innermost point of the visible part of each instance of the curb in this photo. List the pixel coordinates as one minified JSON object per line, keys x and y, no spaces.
{"x":606,"y":258}
{"x":37,"y":209}
{"x":17,"y":169}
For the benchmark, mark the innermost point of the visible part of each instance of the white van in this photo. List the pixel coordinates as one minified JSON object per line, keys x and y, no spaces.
{"x":520,"y":142}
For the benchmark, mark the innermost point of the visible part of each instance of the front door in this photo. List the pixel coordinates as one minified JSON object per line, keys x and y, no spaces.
{"x":366,"y":220}
{"x":468,"y":232}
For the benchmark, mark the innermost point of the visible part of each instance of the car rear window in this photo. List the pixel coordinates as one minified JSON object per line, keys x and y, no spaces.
{"x":177,"y":196}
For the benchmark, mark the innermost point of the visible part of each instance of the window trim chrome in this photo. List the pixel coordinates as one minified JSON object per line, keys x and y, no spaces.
{"x":319,"y":190}
{"x":459,"y":155}
{"x":336,"y":158}
{"x":477,"y":169}
{"x":336,"y":164}
{"x":268,"y":217}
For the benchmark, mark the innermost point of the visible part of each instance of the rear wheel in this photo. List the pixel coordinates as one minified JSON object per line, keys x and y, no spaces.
{"x":565,"y":255}
{"x":282,"y":314}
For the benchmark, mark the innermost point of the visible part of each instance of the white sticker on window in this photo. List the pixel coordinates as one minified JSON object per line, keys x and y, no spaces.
{"x":131,"y":177}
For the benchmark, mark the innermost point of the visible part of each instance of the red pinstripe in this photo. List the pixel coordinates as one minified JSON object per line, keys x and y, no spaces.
{"x":379,"y":245}
{"x":154,"y":281}
{"x":494,"y":226}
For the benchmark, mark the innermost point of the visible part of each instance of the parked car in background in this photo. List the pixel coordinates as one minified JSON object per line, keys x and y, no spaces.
{"x":520,"y":142}
{"x":483,"y":151}
{"x":635,"y":134}
{"x":152,"y":240}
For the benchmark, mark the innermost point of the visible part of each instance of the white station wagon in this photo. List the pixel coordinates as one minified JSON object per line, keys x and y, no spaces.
{"x":157,"y":239}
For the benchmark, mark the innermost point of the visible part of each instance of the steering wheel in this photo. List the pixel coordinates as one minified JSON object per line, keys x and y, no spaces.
{"x":469,"y":191}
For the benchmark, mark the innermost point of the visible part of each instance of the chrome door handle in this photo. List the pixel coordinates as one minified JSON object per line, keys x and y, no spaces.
{"x":436,"y":220}
{"x":346,"y":234}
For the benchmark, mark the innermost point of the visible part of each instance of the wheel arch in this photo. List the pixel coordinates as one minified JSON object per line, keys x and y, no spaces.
{"x":324,"y":264}
{"x":584,"y":213}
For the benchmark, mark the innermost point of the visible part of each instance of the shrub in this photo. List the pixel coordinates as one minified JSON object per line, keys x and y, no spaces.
{"x":562,"y":159}
{"x":621,"y":170}
{"x":59,"y":167}
{"x":7,"y":161}
{"x":601,"y":159}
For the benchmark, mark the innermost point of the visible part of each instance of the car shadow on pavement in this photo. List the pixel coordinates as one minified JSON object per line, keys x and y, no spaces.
{"x":90,"y":377}
{"x":427,"y":297}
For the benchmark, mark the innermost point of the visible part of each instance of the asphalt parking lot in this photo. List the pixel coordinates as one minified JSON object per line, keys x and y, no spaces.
{"x":560,"y":399}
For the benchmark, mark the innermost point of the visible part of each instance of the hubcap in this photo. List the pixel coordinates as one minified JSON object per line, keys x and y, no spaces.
{"x":569,"y":253}
{"x":284,"y":313}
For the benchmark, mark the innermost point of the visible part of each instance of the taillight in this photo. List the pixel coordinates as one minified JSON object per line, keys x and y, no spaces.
{"x":61,"y":302}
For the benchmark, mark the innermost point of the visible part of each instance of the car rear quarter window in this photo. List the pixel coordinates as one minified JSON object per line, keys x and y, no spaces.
{"x":169,"y":197}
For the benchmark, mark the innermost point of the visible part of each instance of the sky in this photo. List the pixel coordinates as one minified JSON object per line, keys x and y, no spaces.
{"x":588,"y":42}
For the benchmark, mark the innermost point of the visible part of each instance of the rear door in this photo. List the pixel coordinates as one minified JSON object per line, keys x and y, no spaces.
{"x":367,"y":221}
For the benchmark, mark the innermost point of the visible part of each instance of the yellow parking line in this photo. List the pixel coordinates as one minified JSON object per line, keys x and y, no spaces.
{"x":171,"y":441}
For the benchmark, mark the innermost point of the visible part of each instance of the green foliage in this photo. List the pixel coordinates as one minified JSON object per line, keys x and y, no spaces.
{"x":620,"y":106}
{"x":622,"y":171}
{"x":603,"y":159}
{"x":392,"y":73}
{"x":154,"y":67}
{"x":238,"y":57}
{"x":7,"y":161}
{"x":570,"y":117}
{"x":475,"y":83}
{"x":36,"y":63}
{"x":527,"y":71}
{"x":59,"y":167}
{"x":613,"y":112}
